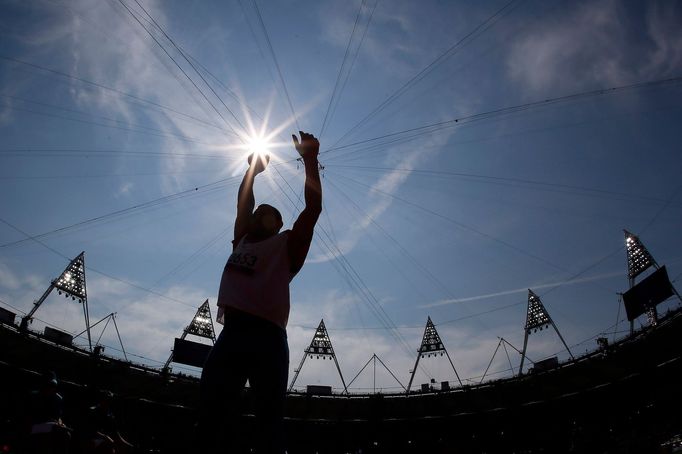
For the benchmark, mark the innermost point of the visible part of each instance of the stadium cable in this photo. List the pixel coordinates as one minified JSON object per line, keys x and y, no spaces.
{"x":227,"y":89}
{"x":433,"y":127}
{"x":459,"y":224}
{"x":179,"y":67}
{"x":193,"y":256}
{"x":343,"y":64}
{"x":355,"y":277}
{"x":122,"y":125}
{"x":400,"y":247}
{"x":494,"y":178}
{"x":112,"y":90}
{"x":485,"y":235}
{"x":274,"y":58}
{"x":475,"y":32}
{"x":74,"y":152}
{"x":139,"y":287}
{"x":144,"y":205}
{"x":355,"y":57}
{"x":663,"y":208}
{"x":122,"y":128}
{"x":190,"y":63}
{"x":343,"y":260}
{"x":399,"y":269}
{"x":13,"y":307}
{"x":488,"y":137}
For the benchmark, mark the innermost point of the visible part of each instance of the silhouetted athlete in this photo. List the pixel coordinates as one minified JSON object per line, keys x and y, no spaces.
{"x":253,"y":304}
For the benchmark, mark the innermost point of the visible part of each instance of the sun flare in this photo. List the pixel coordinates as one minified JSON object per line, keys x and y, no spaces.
{"x":258,"y":146}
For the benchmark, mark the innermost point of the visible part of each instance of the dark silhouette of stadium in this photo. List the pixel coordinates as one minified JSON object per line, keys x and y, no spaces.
{"x":624,"y":396}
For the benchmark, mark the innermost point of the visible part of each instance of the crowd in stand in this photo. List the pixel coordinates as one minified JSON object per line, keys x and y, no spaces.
{"x":40,"y":427}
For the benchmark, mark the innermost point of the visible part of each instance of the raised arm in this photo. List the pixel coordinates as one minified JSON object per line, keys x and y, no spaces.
{"x":302,"y":233}
{"x":245,"y":200}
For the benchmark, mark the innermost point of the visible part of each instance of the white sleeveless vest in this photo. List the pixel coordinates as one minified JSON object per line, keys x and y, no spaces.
{"x":256,"y":280}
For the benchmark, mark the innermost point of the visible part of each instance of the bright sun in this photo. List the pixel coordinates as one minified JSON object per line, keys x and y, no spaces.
{"x":258,"y":146}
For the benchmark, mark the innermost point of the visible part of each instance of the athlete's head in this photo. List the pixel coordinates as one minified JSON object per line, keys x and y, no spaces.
{"x":266,"y":221}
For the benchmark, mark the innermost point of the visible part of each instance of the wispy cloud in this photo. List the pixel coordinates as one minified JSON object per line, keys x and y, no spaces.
{"x":592,"y":46}
{"x":521,"y":290}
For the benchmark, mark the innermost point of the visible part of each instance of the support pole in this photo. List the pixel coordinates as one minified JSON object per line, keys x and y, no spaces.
{"x":297,"y":371}
{"x":562,"y":340}
{"x":113,"y":317}
{"x":491,"y":361}
{"x":453,"y":368}
{"x":358,"y":374}
{"x":414,"y":369}
{"x":523,"y":354}
{"x":389,"y":371}
{"x":28,"y":318}
{"x":345,"y":388}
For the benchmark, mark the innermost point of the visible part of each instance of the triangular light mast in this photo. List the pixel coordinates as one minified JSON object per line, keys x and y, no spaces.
{"x":431,"y":345}
{"x":537,"y":317}
{"x":71,"y":283}
{"x":320,"y":346}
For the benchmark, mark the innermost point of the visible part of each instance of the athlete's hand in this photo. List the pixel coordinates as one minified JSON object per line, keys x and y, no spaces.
{"x":308,"y":147}
{"x":260,"y":164}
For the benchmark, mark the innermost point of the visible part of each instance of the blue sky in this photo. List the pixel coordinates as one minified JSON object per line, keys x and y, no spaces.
{"x":99,"y":124}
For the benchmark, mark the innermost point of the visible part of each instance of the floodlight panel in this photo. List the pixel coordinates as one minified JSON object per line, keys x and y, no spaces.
{"x":639,"y":259}
{"x":72,"y":279}
{"x":537,"y":316}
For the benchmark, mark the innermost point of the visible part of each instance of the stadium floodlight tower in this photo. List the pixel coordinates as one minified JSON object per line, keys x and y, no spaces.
{"x":194,"y":353}
{"x":71,"y":283}
{"x":320,"y":347}
{"x":431,"y":345}
{"x":643,"y":297}
{"x":537,"y":317}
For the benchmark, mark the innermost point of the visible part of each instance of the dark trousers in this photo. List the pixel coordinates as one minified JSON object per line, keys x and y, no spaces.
{"x":250,"y":348}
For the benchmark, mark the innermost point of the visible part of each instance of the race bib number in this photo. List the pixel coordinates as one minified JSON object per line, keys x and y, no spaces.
{"x":243,"y":261}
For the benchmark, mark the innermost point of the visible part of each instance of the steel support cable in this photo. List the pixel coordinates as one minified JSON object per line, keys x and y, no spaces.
{"x":191,"y":64}
{"x":343,"y":64}
{"x":355,"y":57}
{"x":404,"y":251}
{"x":122,"y":128}
{"x":386,"y":256}
{"x":478,"y":30}
{"x":433,"y":127}
{"x":374,"y":303}
{"x":488,"y":137}
{"x":123,"y":214}
{"x":137,"y":207}
{"x":459,"y":224}
{"x":119,"y":124}
{"x":102,"y":273}
{"x":443,"y":173}
{"x":343,"y":260}
{"x":482,"y":234}
{"x":360,"y":284}
{"x":90,"y":153}
{"x":179,"y":67}
{"x":193,"y":256}
{"x":274,"y":58}
{"x":112,"y":90}
{"x":227,"y":89}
